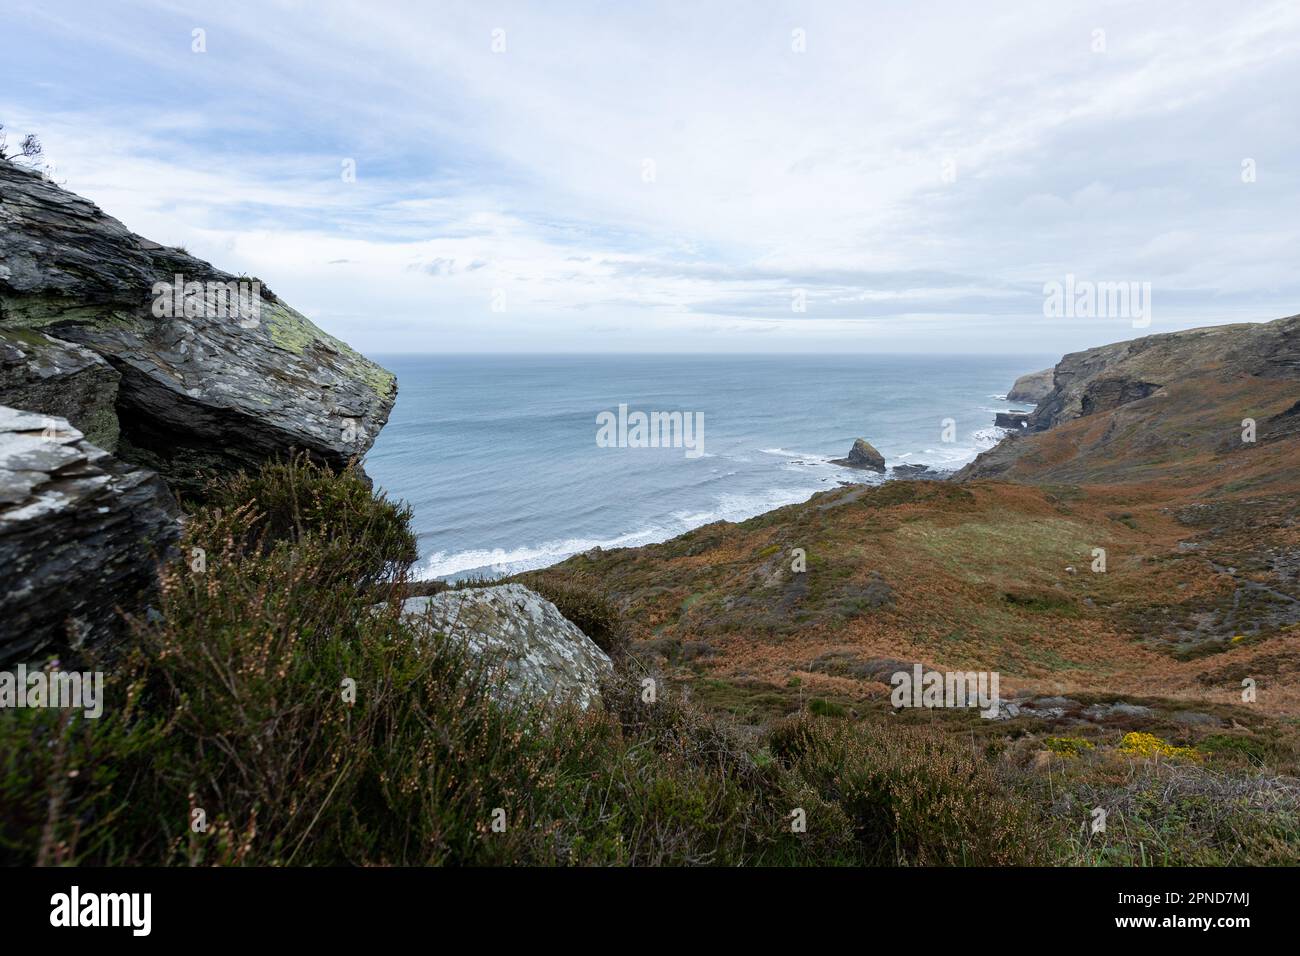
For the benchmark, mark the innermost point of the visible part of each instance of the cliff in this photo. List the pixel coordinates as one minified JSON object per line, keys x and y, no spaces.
{"x":1162,"y":405}
{"x":1032,"y":387}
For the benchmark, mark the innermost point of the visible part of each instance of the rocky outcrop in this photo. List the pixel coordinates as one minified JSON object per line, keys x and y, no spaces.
{"x":917,"y":471}
{"x":862,"y":455}
{"x":1012,"y":420}
{"x":214,"y":371}
{"x":1032,"y":387}
{"x":80,"y":535}
{"x":58,"y":378}
{"x":539,"y":653}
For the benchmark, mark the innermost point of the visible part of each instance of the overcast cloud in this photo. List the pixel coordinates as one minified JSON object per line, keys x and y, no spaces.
{"x":913,"y":178}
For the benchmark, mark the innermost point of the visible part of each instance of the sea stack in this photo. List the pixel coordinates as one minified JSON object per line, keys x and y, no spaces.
{"x":862,"y":455}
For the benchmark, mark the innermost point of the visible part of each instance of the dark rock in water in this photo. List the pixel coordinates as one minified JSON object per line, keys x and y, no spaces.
{"x":1016,"y":420}
{"x":1032,"y":387}
{"x":862,"y":455}
{"x":80,"y":535}
{"x":916,"y":471}
{"x":215,"y":374}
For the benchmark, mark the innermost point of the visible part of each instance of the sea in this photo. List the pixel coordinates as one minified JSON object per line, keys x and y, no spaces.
{"x":514,"y":462}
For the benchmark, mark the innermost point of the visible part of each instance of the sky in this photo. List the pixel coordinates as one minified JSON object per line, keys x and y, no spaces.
{"x":855,"y":177}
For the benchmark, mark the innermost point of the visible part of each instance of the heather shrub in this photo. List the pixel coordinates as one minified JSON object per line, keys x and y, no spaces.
{"x":585,"y":605}
{"x":269,"y":713}
{"x":915,"y":796}
{"x":368,"y":537}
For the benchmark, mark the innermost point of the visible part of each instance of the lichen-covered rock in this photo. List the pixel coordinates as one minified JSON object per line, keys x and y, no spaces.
{"x":80,"y":536}
{"x":542,"y":654}
{"x":208,"y":381}
{"x":862,"y":455}
{"x":59,"y":378}
{"x":1032,"y":387}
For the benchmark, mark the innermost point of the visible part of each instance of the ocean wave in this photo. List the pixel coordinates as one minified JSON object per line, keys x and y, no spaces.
{"x":527,"y":558}
{"x":502,"y":561}
{"x":805,"y":456}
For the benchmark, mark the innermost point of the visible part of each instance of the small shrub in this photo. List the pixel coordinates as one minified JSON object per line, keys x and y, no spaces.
{"x":1068,"y":746}
{"x":368,"y":537}
{"x":825,"y":708}
{"x":1137,"y":744}
{"x":586,"y":606}
{"x":913,"y":795}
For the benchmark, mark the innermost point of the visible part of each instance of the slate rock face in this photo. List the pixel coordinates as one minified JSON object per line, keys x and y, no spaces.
{"x":220,"y":383}
{"x":542,"y":654}
{"x":80,"y":536}
{"x":58,"y":378}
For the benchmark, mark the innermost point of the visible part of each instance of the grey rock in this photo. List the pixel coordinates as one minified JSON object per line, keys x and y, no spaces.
{"x":862,"y":455}
{"x":543,"y":655}
{"x":1062,"y":703}
{"x":80,"y":537}
{"x":917,"y":471}
{"x":1033,"y":387}
{"x":202,"y":392}
{"x":1007,"y":710}
{"x":1194,"y":718}
{"x":1118,"y":709}
{"x":61,"y":379}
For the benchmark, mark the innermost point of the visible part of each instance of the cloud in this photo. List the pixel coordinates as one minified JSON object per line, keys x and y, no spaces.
{"x":680,"y":173}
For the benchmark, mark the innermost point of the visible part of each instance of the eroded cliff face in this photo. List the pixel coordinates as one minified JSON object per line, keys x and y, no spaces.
{"x":207,"y":386}
{"x":1033,"y":387}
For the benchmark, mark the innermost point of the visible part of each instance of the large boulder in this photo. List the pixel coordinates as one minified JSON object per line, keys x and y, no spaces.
{"x":215,"y":371}
{"x":1033,"y":387}
{"x":542,"y":655}
{"x":862,"y":455}
{"x":81,"y":534}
